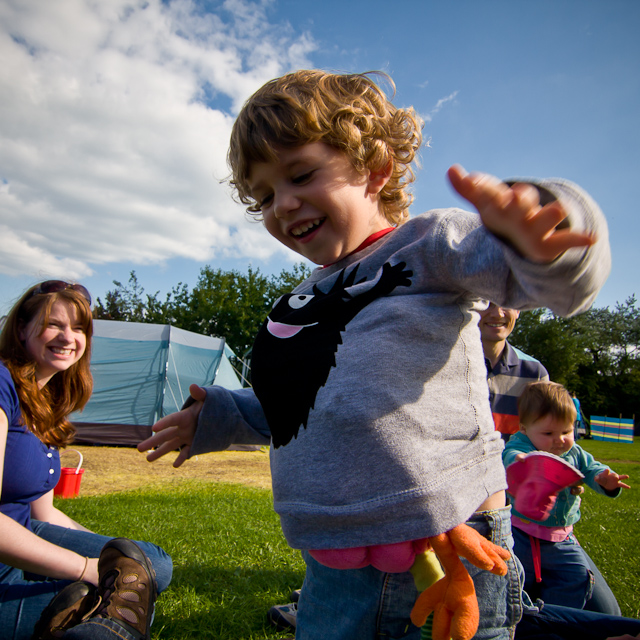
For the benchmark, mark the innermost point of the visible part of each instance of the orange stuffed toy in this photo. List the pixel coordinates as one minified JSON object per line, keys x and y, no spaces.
{"x":452,"y":599}
{"x":451,"y":595}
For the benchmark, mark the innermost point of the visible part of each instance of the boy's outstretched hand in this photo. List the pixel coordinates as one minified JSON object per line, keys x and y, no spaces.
{"x":513,"y":213}
{"x":175,"y":431}
{"x":611,"y":481}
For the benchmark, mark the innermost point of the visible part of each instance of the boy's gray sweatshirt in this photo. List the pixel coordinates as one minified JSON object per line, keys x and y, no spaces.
{"x":371,"y":380}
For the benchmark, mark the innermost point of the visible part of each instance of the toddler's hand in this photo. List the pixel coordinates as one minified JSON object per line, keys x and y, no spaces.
{"x":611,"y":481}
{"x":175,"y":431}
{"x":514,"y":214}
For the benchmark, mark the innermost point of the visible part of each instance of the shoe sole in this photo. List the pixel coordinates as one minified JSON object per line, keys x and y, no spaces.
{"x":280,"y":621}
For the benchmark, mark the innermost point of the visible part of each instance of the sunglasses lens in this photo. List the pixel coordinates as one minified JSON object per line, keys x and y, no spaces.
{"x":55,"y":286}
{"x":51,"y":286}
{"x":82,"y":291}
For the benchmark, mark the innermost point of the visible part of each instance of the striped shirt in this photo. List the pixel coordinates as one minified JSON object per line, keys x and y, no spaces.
{"x":506,"y":380}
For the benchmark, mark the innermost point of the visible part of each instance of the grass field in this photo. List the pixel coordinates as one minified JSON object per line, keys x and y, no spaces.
{"x":609,"y":528}
{"x":232,"y":562}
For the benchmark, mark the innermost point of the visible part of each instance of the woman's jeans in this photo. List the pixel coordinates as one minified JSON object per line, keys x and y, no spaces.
{"x":367,"y":604}
{"x":23,"y":596}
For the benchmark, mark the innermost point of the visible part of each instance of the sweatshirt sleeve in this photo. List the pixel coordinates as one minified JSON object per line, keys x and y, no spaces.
{"x":569,"y":284}
{"x":229,"y":417}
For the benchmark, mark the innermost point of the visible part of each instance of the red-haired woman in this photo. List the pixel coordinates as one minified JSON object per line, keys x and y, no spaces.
{"x":53,"y":569}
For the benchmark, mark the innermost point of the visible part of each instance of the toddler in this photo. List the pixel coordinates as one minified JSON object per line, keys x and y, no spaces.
{"x":556,"y":569}
{"x":369,"y":379}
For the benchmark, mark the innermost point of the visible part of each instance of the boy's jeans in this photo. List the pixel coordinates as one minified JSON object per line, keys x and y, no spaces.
{"x":367,"y":604}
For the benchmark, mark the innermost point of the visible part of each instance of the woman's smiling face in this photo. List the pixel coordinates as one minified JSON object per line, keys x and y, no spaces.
{"x":58,"y":345}
{"x":315,"y":202}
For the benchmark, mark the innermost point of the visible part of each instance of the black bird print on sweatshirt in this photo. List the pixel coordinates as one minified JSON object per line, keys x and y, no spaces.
{"x":296,"y":347}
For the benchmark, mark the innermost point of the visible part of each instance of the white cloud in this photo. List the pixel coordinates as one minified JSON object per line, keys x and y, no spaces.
{"x":110,"y":148}
{"x":450,"y":98}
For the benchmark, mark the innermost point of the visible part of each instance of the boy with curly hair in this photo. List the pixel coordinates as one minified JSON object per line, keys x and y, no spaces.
{"x":369,"y":379}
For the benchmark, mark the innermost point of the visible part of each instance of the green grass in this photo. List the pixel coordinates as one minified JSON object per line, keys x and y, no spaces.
{"x":609,"y":529}
{"x":231,"y":562}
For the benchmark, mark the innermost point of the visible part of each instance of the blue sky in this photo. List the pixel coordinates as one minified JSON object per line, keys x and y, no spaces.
{"x":115,"y":117}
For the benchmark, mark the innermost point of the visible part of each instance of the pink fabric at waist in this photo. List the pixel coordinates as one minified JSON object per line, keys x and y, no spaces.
{"x":551,"y":534}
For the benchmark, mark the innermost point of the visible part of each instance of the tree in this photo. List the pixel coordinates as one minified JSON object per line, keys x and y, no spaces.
{"x":557,"y":342}
{"x":595,"y":354}
{"x":125,"y":302}
{"x":614,"y":366}
{"x":227,"y":304}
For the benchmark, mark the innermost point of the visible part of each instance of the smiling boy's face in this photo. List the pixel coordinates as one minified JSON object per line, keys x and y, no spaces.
{"x":314,"y":202}
{"x":497,"y":323}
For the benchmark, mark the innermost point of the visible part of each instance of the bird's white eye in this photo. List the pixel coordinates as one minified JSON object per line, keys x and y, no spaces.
{"x":297,"y":302}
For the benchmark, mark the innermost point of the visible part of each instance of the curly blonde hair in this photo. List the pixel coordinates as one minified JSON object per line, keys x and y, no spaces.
{"x":45,"y":411}
{"x":347,"y":111}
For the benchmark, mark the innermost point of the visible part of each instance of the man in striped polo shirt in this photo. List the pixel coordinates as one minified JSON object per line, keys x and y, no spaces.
{"x":509,"y":370}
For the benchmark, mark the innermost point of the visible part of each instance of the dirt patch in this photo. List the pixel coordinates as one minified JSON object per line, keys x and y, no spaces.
{"x":112,"y":469}
{"x":614,"y":461}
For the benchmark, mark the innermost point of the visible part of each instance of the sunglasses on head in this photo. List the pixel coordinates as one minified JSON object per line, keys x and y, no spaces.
{"x":55,"y":286}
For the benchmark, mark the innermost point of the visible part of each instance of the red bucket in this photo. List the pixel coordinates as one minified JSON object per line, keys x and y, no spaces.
{"x":69,"y":484}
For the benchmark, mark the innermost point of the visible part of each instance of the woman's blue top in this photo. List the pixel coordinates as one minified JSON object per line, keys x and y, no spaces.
{"x":31,"y":468}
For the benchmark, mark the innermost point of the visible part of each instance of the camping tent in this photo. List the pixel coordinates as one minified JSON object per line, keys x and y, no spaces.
{"x":141,"y":373}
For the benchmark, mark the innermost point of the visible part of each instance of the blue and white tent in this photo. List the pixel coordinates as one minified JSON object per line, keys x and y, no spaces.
{"x":141,"y":373}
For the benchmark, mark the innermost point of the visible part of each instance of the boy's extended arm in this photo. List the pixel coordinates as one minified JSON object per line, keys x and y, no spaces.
{"x":514,"y":213}
{"x":176,"y":431}
{"x":554,"y":239}
{"x":212,"y":419}
{"x":230,"y":417}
